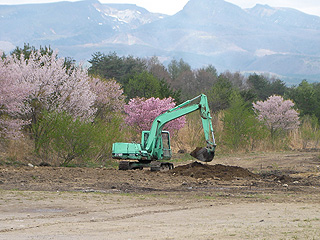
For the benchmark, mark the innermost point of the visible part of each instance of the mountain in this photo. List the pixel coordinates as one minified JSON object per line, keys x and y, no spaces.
{"x":285,"y":17}
{"x":281,"y":41}
{"x":69,"y":23}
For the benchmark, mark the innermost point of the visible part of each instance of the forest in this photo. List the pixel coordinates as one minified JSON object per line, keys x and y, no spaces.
{"x":59,"y":112}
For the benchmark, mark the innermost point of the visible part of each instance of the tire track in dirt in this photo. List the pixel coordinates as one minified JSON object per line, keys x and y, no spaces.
{"x":102,"y":220}
{"x":43,"y":217}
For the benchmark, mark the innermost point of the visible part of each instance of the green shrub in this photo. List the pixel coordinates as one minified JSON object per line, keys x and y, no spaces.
{"x":241,"y":130}
{"x":68,"y":140}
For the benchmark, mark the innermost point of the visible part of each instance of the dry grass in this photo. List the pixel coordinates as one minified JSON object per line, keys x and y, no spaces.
{"x":188,"y":138}
{"x":16,"y":151}
{"x":191,"y":136}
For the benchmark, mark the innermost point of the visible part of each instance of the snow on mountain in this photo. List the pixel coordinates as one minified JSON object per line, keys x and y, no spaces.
{"x":128,"y":13}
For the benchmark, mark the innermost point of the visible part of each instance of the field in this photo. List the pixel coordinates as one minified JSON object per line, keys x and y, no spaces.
{"x":246,"y":196}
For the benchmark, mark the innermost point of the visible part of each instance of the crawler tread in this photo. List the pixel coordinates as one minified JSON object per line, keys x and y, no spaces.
{"x":124,"y":165}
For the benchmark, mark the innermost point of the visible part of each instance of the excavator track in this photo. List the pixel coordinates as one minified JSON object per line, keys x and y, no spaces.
{"x":154,"y":166}
{"x":160,"y":166}
{"x":124,"y":165}
{"x":129,"y":165}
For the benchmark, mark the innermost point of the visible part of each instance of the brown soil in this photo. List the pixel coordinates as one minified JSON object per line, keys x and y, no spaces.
{"x":249,"y":196}
{"x":268,"y":173}
{"x":218,"y":171}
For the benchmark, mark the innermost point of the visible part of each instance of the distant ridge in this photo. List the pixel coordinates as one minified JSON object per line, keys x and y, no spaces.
{"x":280,"y":41}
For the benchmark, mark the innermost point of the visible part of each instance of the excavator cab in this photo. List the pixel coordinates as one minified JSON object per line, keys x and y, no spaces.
{"x":166,"y":145}
{"x":162,"y":145}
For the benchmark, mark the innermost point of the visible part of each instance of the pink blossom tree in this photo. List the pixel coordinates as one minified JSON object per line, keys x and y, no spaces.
{"x":42,"y":83}
{"x":141,"y":113}
{"x":56,"y":103}
{"x":277,"y":114}
{"x":13,"y":94}
{"x":54,"y":88}
{"x":109,"y":97}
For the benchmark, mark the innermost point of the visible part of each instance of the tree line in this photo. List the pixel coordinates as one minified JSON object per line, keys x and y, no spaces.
{"x":150,"y":78}
{"x":72,"y":113}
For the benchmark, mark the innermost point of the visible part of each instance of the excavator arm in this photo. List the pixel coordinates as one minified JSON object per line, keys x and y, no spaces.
{"x":205,"y":154}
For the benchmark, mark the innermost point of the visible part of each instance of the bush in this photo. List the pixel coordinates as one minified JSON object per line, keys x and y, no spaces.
{"x":69,"y":139}
{"x":241,"y":130}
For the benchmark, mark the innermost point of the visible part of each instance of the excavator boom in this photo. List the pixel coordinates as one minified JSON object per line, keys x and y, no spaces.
{"x":205,"y":154}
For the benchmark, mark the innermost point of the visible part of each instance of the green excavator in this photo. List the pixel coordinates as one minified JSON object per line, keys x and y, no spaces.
{"x":155,"y":144}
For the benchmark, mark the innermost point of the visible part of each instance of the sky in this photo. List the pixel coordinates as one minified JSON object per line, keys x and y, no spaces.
{"x":171,"y":7}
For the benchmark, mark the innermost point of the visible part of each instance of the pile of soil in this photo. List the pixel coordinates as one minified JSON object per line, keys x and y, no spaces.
{"x":218,"y":171}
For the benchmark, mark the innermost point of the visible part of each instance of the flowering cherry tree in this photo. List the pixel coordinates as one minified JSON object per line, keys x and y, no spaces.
{"x":42,"y":83}
{"x":13,"y":93}
{"x":141,"y":113}
{"x":109,"y":96}
{"x":277,"y":114}
{"x":56,"y":89}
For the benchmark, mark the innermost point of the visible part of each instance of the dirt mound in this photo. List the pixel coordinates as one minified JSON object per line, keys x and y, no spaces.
{"x":199,"y":170}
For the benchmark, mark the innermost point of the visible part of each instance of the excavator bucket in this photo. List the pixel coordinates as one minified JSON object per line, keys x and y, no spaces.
{"x":202,"y":154}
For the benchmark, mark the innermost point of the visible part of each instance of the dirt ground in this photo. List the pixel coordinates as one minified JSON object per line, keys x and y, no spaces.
{"x":248,"y":196}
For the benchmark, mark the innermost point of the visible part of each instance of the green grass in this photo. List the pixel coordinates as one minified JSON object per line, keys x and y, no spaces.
{"x":11,"y":161}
